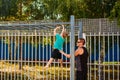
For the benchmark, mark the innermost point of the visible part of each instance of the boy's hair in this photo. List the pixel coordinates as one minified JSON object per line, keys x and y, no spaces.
{"x":65,"y":33}
{"x":82,"y":40}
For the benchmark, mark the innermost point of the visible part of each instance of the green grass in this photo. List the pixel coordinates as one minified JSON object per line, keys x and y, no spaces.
{"x":36,"y":72}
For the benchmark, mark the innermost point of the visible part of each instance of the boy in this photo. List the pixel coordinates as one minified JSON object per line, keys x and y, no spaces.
{"x":58,"y":45}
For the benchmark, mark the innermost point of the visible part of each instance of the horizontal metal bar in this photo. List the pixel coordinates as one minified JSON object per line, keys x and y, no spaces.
{"x":106,"y":34}
{"x":32,"y":61}
{"x":103,"y":64}
{"x":54,"y":23}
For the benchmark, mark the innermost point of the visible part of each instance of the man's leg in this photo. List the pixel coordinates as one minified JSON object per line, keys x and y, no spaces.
{"x":79,"y":75}
{"x":49,"y":62}
{"x":85,"y":75}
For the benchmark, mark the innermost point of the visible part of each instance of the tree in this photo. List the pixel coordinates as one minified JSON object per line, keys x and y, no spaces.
{"x":8,"y":9}
{"x":62,"y":9}
{"x":33,"y":10}
{"x":71,"y":7}
{"x":115,"y":12}
{"x":99,"y":8}
{"x":57,"y":9}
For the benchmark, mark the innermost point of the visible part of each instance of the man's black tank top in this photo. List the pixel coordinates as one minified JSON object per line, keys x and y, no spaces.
{"x":81,"y":61}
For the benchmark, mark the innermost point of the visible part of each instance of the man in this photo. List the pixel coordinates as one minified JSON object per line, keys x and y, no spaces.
{"x":81,"y":55}
{"x":58,"y":45}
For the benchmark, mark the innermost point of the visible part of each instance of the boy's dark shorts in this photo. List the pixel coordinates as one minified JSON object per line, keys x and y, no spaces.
{"x":56,"y":54}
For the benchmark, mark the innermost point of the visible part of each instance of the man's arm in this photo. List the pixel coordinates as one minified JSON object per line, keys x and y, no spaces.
{"x":79,"y":51}
{"x":55,"y":30}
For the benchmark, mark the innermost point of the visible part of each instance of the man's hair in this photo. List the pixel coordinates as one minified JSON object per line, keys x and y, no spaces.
{"x":82,"y":40}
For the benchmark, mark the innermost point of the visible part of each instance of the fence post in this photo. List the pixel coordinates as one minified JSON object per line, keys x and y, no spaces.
{"x":20,"y":55}
{"x":72,"y":45}
{"x":101,"y":57}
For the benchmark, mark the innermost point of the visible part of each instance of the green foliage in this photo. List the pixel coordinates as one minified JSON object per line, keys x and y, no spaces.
{"x":99,"y":8}
{"x":115,"y":12}
{"x":71,"y":7}
{"x":7,"y":9}
{"x":58,"y":9}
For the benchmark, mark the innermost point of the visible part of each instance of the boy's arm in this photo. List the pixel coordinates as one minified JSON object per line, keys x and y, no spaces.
{"x":77,"y":52}
{"x":63,"y":29}
{"x":55,"y":30}
{"x":65,"y":54}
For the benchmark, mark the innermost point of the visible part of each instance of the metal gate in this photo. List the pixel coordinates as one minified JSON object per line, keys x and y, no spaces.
{"x":104,"y":56}
{"x":24,"y":53}
{"x":103,"y":43}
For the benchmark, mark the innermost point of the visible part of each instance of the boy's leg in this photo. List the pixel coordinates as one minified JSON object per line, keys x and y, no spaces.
{"x":49,"y":62}
{"x":61,"y":62}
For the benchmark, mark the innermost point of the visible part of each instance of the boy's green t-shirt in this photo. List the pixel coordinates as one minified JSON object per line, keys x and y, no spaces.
{"x":59,"y":42}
